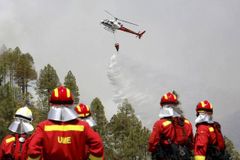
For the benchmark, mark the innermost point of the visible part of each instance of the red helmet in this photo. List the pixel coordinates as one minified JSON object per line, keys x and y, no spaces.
{"x":204,"y":106}
{"x":169,"y":98}
{"x":83,"y":110}
{"x":61,"y":95}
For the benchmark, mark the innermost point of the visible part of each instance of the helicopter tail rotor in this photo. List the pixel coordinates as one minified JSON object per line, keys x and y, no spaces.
{"x":140,"y":34}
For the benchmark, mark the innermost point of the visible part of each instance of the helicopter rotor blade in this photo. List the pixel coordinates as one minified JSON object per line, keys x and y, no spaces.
{"x":128,"y":22}
{"x":110,"y":14}
{"x":120,"y":19}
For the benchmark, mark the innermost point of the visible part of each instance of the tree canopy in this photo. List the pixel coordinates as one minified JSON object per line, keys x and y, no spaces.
{"x":70,"y":82}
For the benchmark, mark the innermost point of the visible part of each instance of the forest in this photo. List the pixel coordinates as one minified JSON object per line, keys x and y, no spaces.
{"x":124,"y":135}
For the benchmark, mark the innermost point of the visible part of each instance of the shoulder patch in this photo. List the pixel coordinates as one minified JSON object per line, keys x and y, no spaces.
{"x":166,"y":123}
{"x":186,"y":121}
{"x":9,"y":140}
{"x":211,"y":129}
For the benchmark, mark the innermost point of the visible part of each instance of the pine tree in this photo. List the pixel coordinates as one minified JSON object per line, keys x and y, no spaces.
{"x":48,"y":80}
{"x":3,"y":67}
{"x":98,"y":114}
{"x":70,"y":82}
{"x":8,"y":105}
{"x":25,"y":71}
{"x":128,"y":137}
{"x":9,"y":62}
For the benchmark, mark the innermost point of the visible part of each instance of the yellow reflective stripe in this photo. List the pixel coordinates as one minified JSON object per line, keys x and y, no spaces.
{"x":174,"y":97}
{"x":165,"y":96}
{"x":211,"y":129}
{"x":91,"y":157}
{"x":83,"y":115}
{"x":37,"y":158}
{"x":203,"y":104}
{"x":56,"y":92}
{"x":211,"y":106}
{"x":68,"y":93}
{"x":187,"y":121}
{"x":199,"y":157}
{"x":64,"y":128}
{"x":78,"y":108}
{"x":166,"y":123}
{"x":12,"y":139}
{"x":87,"y":108}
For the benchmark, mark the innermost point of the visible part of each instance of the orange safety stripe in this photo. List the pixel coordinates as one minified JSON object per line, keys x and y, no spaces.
{"x":56,"y":92}
{"x":91,"y":157}
{"x":68,"y":93}
{"x":199,"y":157}
{"x":211,"y":129}
{"x":166,"y":123}
{"x":9,"y":140}
{"x":64,"y":128}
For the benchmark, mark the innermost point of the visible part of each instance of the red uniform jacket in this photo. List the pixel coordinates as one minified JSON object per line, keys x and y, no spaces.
{"x":206,"y":135}
{"x":12,"y":147}
{"x":65,"y":140}
{"x":163,"y":131}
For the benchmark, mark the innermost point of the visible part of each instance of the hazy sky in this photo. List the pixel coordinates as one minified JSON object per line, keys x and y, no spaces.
{"x":189,"y":46}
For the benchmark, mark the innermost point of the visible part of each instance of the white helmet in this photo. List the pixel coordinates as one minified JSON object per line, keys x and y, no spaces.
{"x":22,"y":121}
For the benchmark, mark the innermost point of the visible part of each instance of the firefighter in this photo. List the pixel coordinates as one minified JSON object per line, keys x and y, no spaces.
{"x":84,"y":113}
{"x":209,"y":142}
{"x":63,"y":136}
{"x":172,"y":136}
{"x":14,"y":146}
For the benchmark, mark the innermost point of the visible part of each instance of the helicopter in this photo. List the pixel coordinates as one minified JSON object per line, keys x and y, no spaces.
{"x":114,"y":24}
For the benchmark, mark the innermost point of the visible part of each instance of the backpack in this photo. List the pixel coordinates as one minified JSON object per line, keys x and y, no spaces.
{"x":219,"y":137}
{"x":178,"y":148}
{"x":217,"y":151}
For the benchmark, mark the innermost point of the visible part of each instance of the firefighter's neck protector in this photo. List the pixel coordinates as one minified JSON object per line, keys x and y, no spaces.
{"x":62,"y":113}
{"x":168,"y":111}
{"x":90,"y":121}
{"x":204,"y":117}
{"x":20,"y":126}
